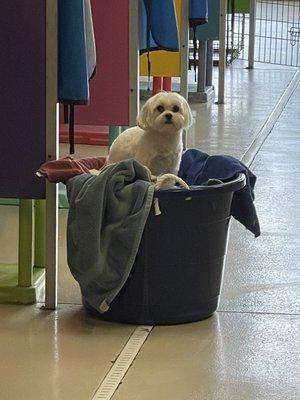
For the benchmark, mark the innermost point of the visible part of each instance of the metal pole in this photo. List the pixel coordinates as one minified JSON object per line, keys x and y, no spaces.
{"x":134,"y":65}
{"x":243,"y":33}
{"x":209,"y":62}
{"x":201,"y":84}
{"x":232,"y":31}
{"x":25,"y":264}
{"x":252,"y":23}
{"x":51,"y":154}
{"x":222,"y":51}
{"x":39,"y":233}
{"x":114,"y":132}
{"x":184,"y":56}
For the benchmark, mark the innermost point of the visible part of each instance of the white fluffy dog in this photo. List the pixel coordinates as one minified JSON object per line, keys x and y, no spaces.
{"x":157,"y":140}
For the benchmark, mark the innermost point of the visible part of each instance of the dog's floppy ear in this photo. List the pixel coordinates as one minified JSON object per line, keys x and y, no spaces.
{"x":187,"y":113}
{"x":143,"y":119}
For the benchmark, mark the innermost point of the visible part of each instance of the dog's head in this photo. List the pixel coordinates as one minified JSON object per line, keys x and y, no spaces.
{"x":165,"y":112}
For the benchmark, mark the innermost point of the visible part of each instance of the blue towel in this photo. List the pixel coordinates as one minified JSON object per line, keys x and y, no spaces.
{"x":198,"y":168}
{"x":76,"y":51}
{"x":158,"y":26}
{"x":198,"y":12}
{"x":76,"y":56}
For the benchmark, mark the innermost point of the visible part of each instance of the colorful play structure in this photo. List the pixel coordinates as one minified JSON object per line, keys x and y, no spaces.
{"x":29,"y":129}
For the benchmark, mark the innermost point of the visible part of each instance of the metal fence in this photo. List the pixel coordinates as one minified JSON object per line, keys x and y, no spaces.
{"x":278,"y":32}
{"x":236,"y":26}
{"x":277,"y":38}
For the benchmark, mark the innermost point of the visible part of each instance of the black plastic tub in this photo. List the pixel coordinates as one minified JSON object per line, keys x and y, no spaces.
{"x":177,"y":275}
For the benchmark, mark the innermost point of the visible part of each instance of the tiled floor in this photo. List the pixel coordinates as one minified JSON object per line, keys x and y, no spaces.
{"x":246,"y":351}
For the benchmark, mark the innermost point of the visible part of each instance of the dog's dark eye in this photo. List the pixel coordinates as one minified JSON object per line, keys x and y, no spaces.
{"x":175,"y":109}
{"x":160,"y":109}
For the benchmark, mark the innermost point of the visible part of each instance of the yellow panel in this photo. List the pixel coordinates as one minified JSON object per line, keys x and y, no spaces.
{"x":163,"y":63}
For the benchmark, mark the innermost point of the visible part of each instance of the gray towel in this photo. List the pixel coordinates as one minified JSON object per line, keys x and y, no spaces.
{"x":106,"y":220}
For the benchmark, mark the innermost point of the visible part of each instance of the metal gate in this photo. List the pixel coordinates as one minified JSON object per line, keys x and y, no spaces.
{"x":278,"y":32}
{"x":277,"y":37}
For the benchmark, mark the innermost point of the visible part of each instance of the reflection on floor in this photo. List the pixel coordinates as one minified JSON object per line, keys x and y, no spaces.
{"x":246,"y":351}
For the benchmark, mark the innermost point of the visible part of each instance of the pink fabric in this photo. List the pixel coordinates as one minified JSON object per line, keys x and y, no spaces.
{"x":61,"y":170}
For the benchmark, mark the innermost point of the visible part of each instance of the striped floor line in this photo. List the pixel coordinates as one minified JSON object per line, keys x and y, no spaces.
{"x":266,"y":129}
{"x":110,"y":383}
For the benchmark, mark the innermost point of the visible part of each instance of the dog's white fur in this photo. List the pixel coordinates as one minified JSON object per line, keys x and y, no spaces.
{"x":157,"y":140}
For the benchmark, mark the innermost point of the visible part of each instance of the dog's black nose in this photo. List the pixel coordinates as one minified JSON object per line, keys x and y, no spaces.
{"x":168,"y":116}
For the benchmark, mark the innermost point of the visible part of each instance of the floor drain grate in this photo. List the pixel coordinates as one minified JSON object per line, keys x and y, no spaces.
{"x":115,"y":375}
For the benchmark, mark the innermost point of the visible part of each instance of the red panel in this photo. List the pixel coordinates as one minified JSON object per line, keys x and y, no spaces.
{"x":157,"y":84}
{"x":109,"y":89}
{"x":94,"y":135}
{"x":167,"y":83}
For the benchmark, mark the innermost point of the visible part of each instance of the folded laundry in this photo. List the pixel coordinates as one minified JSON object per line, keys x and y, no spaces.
{"x":197,"y":168}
